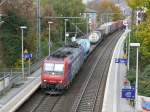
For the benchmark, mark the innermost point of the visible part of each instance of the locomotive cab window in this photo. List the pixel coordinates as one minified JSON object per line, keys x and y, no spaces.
{"x":59,"y":68}
{"x":55,"y":68}
{"x":48,"y":67}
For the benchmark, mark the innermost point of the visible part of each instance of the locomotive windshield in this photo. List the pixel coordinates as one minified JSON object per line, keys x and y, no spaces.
{"x":54,"y":68}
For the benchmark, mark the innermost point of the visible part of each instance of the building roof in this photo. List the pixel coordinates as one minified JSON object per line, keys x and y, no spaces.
{"x":90,"y":10}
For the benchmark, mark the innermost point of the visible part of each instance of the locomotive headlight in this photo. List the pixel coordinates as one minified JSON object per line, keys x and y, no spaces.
{"x":45,"y":80}
{"x":60,"y":81}
{"x":53,"y":73}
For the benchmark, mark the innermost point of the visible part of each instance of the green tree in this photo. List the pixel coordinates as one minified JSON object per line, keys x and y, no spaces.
{"x":26,"y":10}
{"x":67,"y":8}
{"x":141,"y":34}
{"x":143,"y":37}
{"x":11,"y":37}
{"x":144,"y":83}
{"x":23,"y":12}
{"x":138,"y":3}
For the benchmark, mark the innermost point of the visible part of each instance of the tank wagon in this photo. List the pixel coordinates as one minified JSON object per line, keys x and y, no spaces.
{"x":95,"y":36}
{"x":85,"y":43}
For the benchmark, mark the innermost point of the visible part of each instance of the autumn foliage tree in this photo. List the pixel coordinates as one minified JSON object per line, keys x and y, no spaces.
{"x":24,"y":8}
{"x":141,"y":34}
{"x":105,"y":7}
{"x":17,"y":13}
{"x":24,"y":12}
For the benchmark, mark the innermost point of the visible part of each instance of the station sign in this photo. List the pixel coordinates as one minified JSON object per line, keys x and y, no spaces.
{"x":121,"y":60}
{"x":27,"y":55}
{"x":128,"y":93}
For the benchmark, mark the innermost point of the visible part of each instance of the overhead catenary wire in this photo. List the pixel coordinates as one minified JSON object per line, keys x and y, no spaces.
{"x":77,"y":28}
{"x":3,"y":2}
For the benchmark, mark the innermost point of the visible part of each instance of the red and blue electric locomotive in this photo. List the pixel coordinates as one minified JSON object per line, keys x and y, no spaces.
{"x":59,"y":69}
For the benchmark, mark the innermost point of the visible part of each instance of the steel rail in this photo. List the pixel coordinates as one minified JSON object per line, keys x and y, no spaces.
{"x":85,"y":85}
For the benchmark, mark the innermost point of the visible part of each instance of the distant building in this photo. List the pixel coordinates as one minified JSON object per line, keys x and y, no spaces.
{"x":86,"y":1}
{"x":91,"y":14}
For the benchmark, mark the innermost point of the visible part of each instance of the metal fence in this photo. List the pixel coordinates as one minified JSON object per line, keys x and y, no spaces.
{"x":10,"y":78}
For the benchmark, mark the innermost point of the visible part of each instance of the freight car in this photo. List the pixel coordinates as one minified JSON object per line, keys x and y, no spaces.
{"x":104,"y":30}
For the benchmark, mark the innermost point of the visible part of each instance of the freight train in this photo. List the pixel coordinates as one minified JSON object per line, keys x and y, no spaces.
{"x":60,"y":68}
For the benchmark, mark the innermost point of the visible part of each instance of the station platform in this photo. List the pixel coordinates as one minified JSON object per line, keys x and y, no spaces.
{"x":17,"y":95}
{"x":115,"y":81}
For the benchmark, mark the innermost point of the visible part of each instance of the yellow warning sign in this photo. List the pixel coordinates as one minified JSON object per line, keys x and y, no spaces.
{"x":125,"y":56}
{"x":25,"y":51}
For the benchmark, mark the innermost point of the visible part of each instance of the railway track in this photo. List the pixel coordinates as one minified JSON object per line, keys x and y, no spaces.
{"x":69,"y":100}
{"x":38,"y":103}
{"x":87,"y":98}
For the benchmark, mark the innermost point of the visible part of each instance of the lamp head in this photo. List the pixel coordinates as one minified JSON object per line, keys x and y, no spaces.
{"x":50,"y":22}
{"x":23,"y":27}
{"x":135,"y":44}
{"x":66,"y":19}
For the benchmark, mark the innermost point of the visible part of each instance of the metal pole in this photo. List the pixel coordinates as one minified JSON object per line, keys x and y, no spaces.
{"x":22,"y":28}
{"x":29,"y":66}
{"x":49,"y":39}
{"x":126,"y":46}
{"x":65,"y":29}
{"x":136,"y":91}
{"x":87,"y":30}
{"x":38,"y":30}
{"x":76,"y":27}
{"x":22,"y":56}
{"x":37,"y":40}
{"x":101,"y":19}
{"x":129,"y":51}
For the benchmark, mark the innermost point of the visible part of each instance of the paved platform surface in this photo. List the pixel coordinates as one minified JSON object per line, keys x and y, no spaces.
{"x":116,"y":76}
{"x":16,"y":93}
{"x":123,"y":104}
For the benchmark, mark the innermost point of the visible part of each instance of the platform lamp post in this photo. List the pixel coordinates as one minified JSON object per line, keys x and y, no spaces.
{"x":22,"y":36}
{"x":129,"y":38}
{"x":66,"y":30}
{"x":67,"y":35}
{"x":49,"y":39}
{"x":137,"y":45}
